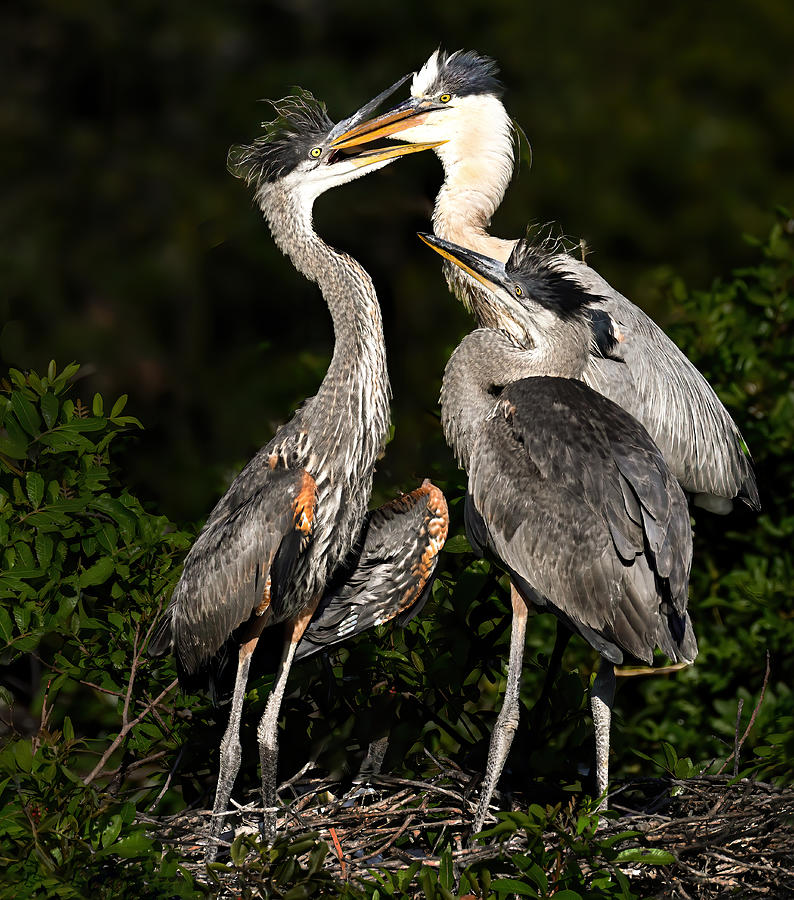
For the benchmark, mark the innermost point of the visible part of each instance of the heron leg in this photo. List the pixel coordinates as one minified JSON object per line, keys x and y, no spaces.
{"x":507,"y":722}
{"x":373,"y":762}
{"x":602,"y":696}
{"x":267,"y":732}
{"x":231,"y":751}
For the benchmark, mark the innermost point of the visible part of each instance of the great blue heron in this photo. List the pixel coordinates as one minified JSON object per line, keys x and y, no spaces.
{"x":565,"y":489}
{"x":294,"y":526}
{"x":456,"y":100}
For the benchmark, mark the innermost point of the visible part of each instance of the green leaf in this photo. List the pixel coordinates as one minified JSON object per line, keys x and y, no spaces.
{"x":670,"y":756}
{"x":80,"y":425}
{"x":649,"y":855}
{"x":23,"y":755}
{"x":119,"y":512}
{"x":6,"y":625}
{"x":26,"y":413}
{"x":511,"y":885}
{"x":98,"y":573}
{"x":44,"y":545}
{"x":446,"y":875}
{"x":239,"y":850}
{"x":118,"y":406}
{"x":49,"y":409}
{"x":97,"y":406}
{"x":13,"y":446}
{"x":34,"y":485}
{"x":137,"y":844}
{"x":457,"y":544}
{"x":22,"y":615}
{"x":298,"y":892}
{"x":112,"y":830}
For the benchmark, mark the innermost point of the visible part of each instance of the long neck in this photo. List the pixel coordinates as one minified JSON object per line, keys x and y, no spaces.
{"x":485,"y":362}
{"x":478,"y":165}
{"x":350,"y":412}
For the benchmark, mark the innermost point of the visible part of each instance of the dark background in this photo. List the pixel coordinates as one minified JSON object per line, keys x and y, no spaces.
{"x":660,"y":134}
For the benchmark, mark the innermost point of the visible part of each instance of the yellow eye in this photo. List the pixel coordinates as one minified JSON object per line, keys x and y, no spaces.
{"x":315,"y":152}
{"x":445,"y":98}
{"x":519,"y":292}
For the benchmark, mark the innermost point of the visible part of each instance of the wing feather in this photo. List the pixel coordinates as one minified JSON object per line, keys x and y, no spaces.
{"x":573,"y":496}
{"x":228,"y":572}
{"x":658,"y":385}
{"x":389,"y":572}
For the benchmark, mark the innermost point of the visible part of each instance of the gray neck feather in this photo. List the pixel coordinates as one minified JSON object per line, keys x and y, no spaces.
{"x":485,"y":362}
{"x":350,"y":412}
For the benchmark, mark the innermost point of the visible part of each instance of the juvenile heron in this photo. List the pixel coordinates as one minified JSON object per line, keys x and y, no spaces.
{"x":294,"y":525}
{"x":566,"y":490}
{"x":456,"y":100}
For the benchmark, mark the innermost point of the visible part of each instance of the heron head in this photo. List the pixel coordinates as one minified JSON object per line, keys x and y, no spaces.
{"x":530,"y":295}
{"x":297,"y":149}
{"x":455,"y":98}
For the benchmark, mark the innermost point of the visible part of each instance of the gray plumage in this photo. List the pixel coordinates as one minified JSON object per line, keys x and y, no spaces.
{"x":566,"y":490}
{"x":389,"y":573}
{"x":456,"y":98}
{"x":288,"y":524}
{"x":575,"y":500}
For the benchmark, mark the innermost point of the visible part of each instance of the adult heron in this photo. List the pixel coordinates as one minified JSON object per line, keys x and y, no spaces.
{"x":456,"y":100}
{"x":295,"y":519}
{"x":566,"y":490}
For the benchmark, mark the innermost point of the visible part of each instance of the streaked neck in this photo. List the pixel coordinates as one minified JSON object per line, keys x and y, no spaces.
{"x":355,"y":392}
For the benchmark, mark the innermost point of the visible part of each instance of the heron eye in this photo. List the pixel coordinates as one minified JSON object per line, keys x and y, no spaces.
{"x":519,"y":292}
{"x":315,"y":152}
{"x":445,"y":98}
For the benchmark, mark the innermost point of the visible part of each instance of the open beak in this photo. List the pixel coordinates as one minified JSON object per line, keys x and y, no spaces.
{"x":489,"y":272}
{"x":370,"y":157}
{"x":408,"y":114}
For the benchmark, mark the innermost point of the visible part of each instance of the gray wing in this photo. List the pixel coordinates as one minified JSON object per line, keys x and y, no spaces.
{"x":661,"y":388}
{"x":389,"y":573}
{"x":237,"y":565}
{"x":574,"y":498}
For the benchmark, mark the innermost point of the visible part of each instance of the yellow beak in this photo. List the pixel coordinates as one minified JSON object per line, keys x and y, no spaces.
{"x":370,"y":157}
{"x":381,"y":126}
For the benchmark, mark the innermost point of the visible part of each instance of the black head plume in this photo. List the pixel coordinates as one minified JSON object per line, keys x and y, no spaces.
{"x":460,"y":73}
{"x":301,"y":123}
{"x":535,"y":266}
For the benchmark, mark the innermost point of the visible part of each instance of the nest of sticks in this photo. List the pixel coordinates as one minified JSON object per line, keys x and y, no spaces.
{"x":727,"y":836}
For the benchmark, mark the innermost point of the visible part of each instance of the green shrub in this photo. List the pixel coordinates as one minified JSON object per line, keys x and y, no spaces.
{"x":84,"y":568}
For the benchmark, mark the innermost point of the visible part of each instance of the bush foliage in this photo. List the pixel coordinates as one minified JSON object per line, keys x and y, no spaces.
{"x":92,"y":727}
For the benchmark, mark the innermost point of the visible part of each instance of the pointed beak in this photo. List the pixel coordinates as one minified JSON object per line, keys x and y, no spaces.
{"x":382,"y":154}
{"x":489,"y":272}
{"x":408,"y":114}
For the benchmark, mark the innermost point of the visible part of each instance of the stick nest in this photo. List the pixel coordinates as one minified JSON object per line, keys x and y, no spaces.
{"x":728,"y":836}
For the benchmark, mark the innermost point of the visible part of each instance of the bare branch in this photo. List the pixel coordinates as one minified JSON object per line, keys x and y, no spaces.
{"x":125,"y":729}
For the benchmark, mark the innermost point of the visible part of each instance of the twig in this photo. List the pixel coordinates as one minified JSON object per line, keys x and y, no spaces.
{"x":736,"y":744}
{"x":297,"y":776}
{"x":398,"y":834}
{"x":338,"y":848}
{"x":751,"y":722}
{"x":126,"y":728}
{"x":167,"y":784}
{"x":46,"y":712}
